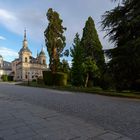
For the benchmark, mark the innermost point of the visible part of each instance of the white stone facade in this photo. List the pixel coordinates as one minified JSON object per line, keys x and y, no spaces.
{"x":5,"y":67}
{"x":26,"y":67}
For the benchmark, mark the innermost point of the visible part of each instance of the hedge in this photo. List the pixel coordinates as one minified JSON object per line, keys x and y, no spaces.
{"x":40,"y":81}
{"x":57,"y":79}
{"x":10,"y":78}
{"x":60,"y":79}
{"x":6,"y":78}
{"x":48,"y":78}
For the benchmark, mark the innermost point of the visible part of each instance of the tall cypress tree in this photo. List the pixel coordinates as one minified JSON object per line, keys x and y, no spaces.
{"x":92,"y":45}
{"x":54,"y":38}
{"x":92,"y":48}
{"x":77,"y":61}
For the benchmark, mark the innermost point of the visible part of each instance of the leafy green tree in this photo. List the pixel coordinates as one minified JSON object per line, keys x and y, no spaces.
{"x":91,"y":44}
{"x":64,"y":66}
{"x":77,"y":68}
{"x":54,"y":38}
{"x":90,"y":67}
{"x":123,"y":27}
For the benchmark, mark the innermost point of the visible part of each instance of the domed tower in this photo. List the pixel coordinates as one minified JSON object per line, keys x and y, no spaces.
{"x":42,"y":57}
{"x":1,"y":61}
{"x":25,"y":53}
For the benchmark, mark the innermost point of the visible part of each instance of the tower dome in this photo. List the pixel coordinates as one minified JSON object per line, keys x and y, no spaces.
{"x":42,"y":53}
{"x":42,"y":57}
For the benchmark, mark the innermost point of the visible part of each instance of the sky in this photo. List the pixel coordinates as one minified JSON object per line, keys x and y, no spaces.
{"x":16,"y":15}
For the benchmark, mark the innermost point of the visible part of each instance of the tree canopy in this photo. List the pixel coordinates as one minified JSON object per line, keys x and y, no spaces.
{"x":54,"y":38}
{"x":92,"y":49}
{"x":122,"y":25}
{"x":77,"y":61}
{"x":91,"y":44}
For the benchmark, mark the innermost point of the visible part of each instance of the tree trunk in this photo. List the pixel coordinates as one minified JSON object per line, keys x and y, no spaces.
{"x":54,"y":60}
{"x":86,"y":82}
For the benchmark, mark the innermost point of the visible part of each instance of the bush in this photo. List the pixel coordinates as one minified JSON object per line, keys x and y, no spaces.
{"x":34,"y":80}
{"x":136,"y":85}
{"x":57,"y":79}
{"x":10,"y":78}
{"x":4,"y":78}
{"x":40,"y":81}
{"x":60,"y":79}
{"x":106,"y":82}
{"x":48,"y":78}
{"x":7,"y":78}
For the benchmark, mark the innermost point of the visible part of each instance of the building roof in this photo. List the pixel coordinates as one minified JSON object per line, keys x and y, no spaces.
{"x":33,"y":60}
{"x":24,"y":50}
{"x":42,"y":53}
{"x":6,"y":65}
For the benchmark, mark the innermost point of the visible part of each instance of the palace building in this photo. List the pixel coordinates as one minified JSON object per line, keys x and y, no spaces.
{"x":5,"y":67}
{"x":27,"y":67}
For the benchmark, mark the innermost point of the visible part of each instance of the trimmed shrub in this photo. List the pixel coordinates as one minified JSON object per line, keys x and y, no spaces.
{"x":48,"y":78}
{"x":57,"y":79}
{"x":10,"y":78}
{"x":4,"y":78}
{"x":60,"y":79}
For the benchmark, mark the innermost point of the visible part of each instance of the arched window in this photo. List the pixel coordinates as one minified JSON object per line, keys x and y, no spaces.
{"x":44,"y":62}
{"x":26,"y":76}
{"x":26,"y":60}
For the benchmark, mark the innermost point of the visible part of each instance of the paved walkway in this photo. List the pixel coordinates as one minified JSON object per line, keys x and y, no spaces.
{"x":20,"y":120}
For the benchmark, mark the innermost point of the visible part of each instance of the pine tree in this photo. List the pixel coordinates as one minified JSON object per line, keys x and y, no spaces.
{"x":54,"y":38}
{"x":91,"y":44}
{"x":123,"y":27}
{"x":92,"y":48}
{"x":77,"y":61}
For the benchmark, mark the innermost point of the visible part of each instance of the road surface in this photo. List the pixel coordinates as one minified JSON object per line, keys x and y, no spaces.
{"x":120,"y":115}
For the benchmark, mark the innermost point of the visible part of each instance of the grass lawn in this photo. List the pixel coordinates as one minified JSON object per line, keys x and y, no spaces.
{"x":93,"y":90}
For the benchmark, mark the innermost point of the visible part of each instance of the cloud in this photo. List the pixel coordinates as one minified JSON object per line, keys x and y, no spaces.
{"x":6,"y":15}
{"x":8,"y":54}
{"x":31,"y":19}
{"x":20,"y":14}
{"x":2,"y":38}
{"x":8,"y":19}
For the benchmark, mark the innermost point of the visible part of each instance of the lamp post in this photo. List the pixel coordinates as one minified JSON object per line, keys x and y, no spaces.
{"x":28,"y":78}
{"x":36,"y":76}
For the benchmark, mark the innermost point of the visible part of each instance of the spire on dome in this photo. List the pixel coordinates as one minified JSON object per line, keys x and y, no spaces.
{"x":42,"y":51}
{"x":42,"y":48}
{"x":25,"y":34}
{"x":25,"y":43}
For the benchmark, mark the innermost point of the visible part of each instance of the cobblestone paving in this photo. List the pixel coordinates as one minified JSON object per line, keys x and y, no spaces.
{"x":24,"y":121}
{"x":113,"y":116}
